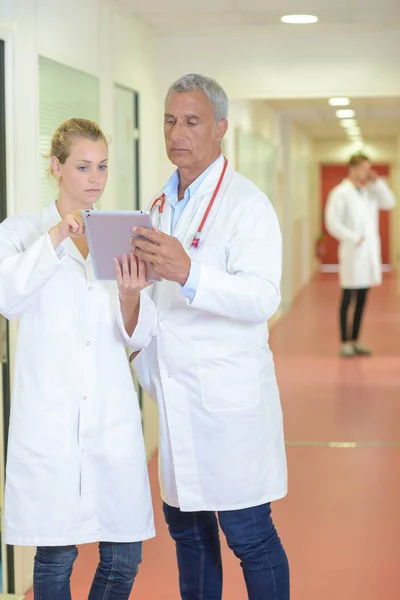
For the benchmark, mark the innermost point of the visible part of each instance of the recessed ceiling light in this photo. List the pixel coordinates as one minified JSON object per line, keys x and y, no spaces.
{"x":348,"y":123}
{"x":339,"y":101}
{"x":299,"y":19}
{"x":353,"y":131}
{"x":345,"y":114}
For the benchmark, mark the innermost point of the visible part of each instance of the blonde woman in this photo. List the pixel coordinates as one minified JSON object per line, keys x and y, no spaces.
{"x":76,"y":468}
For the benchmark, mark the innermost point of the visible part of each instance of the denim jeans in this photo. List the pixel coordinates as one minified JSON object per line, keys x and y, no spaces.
{"x":118,"y":567}
{"x":251,"y":535}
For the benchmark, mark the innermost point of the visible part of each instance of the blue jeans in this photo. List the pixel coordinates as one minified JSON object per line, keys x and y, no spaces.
{"x":118,"y":567}
{"x":251,"y":535}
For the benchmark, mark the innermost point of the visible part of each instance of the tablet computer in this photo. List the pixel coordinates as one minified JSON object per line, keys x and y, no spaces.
{"x":109,"y":234}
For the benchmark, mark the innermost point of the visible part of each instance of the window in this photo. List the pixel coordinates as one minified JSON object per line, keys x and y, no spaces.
{"x":63,"y":93}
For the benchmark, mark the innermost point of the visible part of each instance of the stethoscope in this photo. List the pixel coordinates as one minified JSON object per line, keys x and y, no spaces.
{"x":160,"y":203}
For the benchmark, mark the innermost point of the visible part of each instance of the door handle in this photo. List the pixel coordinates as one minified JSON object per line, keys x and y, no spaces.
{"x":3,"y":340}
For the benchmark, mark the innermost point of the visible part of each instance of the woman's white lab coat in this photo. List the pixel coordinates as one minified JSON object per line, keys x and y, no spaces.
{"x":76,"y":468}
{"x":209,"y":364}
{"x":352,"y":214}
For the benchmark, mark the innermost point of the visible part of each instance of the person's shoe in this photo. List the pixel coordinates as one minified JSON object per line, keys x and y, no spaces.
{"x":361,"y":350}
{"x":347,"y":350}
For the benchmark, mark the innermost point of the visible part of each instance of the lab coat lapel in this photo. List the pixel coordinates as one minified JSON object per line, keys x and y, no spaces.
{"x":165,"y":220}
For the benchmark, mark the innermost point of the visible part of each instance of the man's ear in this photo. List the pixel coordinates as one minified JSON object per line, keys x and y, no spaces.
{"x":222,"y":128}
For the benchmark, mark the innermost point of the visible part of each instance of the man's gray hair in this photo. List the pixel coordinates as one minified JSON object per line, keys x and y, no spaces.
{"x":210,"y":88}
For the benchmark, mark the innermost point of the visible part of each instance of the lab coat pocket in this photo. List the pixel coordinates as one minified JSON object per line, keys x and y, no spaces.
{"x":229,"y":377}
{"x":40,"y":423}
{"x":123,"y":435}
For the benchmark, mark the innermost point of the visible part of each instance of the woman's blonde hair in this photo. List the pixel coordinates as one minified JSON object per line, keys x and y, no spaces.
{"x":67,"y":132}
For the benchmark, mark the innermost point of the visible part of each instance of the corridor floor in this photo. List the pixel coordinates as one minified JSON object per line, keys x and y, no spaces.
{"x":341,"y":521}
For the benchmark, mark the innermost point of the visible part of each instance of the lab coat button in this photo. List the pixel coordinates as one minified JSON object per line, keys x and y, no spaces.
{"x":169,"y":375}
{"x":161,"y":319}
{"x":84,"y":398}
{"x":90,"y":289}
{"x":87,"y":343}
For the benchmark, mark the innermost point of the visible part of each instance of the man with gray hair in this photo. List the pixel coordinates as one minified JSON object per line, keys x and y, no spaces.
{"x":216,"y":247}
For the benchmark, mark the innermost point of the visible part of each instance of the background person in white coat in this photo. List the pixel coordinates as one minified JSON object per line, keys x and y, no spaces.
{"x":76,"y":467}
{"x":352,"y":217}
{"x":209,"y":365}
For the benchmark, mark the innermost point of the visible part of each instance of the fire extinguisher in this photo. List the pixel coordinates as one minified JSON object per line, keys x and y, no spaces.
{"x":320,"y":247}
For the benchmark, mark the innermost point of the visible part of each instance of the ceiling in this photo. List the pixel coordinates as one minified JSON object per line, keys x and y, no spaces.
{"x":378,"y":118}
{"x":242,"y":43}
{"x":189,"y":16}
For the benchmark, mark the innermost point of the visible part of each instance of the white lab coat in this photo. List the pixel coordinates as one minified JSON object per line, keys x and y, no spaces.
{"x":209,"y":364}
{"x":76,"y":468}
{"x":350,"y":215}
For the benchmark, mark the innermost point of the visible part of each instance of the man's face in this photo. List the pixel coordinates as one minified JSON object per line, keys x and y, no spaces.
{"x":192,"y":137}
{"x":362,"y":172}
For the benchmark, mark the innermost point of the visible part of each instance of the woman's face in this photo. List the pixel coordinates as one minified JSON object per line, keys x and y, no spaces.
{"x":83,"y":176}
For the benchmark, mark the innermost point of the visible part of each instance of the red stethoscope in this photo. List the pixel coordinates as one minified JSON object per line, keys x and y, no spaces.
{"x":160,"y":202}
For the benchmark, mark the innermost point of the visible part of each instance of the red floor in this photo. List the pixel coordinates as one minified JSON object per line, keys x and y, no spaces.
{"x":340,"y":522}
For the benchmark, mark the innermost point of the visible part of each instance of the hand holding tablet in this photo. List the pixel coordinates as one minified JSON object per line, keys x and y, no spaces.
{"x":109,"y":235}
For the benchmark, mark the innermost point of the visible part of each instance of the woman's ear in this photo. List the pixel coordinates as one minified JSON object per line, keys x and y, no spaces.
{"x":55,"y":167}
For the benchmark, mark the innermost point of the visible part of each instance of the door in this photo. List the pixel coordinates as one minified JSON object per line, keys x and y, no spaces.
{"x":7,"y":553}
{"x":331,"y":176}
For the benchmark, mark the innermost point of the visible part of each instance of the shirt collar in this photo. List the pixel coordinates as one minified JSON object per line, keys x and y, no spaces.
{"x":360,"y":190}
{"x":171,"y":189}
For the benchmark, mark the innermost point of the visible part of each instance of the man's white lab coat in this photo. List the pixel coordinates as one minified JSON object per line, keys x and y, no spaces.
{"x":209,"y":365}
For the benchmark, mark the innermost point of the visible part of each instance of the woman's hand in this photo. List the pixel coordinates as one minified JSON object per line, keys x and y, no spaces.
{"x":131,"y":276}
{"x":71,"y":226}
{"x":131,"y":280}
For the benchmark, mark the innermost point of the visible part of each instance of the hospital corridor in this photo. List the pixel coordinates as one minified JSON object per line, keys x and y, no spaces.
{"x":199,"y":300}
{"x":339,"y":522}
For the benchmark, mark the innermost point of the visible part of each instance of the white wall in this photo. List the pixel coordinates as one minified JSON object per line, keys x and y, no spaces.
{"x":304,"y":209}
{"x":337,"y":151}
{"x":395,"y":232}
{"x":284,"y":62}
{"x":296,"y":195}
{"x":6,"y":11}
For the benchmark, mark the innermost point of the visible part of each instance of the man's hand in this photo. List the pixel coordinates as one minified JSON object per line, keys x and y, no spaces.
{"x":373,"y":175}
{"x":360,"y":241}
{"x":164,"y":252}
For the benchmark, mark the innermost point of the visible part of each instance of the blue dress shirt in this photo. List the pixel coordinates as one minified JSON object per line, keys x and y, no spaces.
{"x":177,"y":207}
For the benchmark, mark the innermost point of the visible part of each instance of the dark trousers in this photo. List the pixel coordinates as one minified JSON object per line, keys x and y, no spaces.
{"x":359,"y":297}
{"x":118,"y":566}
{"x":250,"y":534}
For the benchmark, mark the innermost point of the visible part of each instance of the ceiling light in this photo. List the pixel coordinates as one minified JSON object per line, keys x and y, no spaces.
{"x":339,"y":101}
{"x":353,"y":131}
{"x":348,"y":123}
{"x":345,"y":114}
{"x":299,"y":19}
